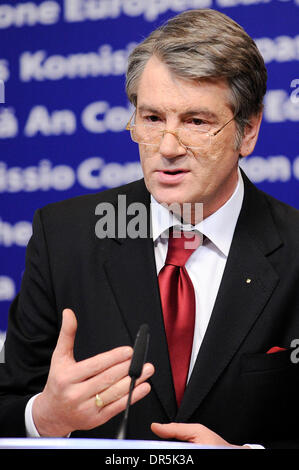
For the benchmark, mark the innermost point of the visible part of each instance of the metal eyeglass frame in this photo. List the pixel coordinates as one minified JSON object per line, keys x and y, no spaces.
{"x":129,"y":127}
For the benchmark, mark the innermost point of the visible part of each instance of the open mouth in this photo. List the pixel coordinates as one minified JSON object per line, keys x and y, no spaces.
{"x":171,"y":176}
{"x":174,"y":172}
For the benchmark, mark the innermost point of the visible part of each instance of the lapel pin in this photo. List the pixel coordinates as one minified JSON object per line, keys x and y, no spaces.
{"x":248,"y":281}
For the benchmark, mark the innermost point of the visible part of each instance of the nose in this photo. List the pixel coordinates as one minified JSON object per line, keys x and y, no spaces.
{"x":170,"y":146}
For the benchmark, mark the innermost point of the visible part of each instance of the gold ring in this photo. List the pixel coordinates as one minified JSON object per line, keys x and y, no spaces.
{"x":99,"y":401}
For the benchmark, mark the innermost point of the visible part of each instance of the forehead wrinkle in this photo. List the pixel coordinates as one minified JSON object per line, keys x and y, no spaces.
{"x":175,"y":100}
{"x":167,"y":92}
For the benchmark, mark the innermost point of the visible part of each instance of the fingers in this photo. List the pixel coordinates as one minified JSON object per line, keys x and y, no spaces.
{"x":119,"y":388}
{"x":90,"y":367}
{"x":116,"y":407}
{"x":93,"y":366}
{"x":104,"y":380}
{"x":114,"y":401}
{"x":65,"y":343}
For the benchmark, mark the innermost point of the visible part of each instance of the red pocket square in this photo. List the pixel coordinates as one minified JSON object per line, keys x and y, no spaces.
{"x":275,"y":349}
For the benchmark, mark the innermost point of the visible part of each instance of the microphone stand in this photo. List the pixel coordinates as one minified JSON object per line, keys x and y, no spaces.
{"x":135,"y":370}
{"x":122,"y":432}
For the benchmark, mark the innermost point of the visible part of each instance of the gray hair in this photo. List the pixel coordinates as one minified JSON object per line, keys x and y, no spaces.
{"x":206,"y":44}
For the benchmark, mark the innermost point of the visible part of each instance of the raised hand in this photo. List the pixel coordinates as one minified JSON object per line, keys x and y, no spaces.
{"x":68,"y":401}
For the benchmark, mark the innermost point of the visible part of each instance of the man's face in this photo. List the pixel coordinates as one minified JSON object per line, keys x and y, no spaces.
{"x":173,"y":173}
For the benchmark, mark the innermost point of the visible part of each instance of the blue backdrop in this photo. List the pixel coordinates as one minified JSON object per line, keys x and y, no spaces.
{"x":62,"y":123}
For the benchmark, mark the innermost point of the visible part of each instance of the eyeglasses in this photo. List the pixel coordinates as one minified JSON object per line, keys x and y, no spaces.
{"x":152,"y":134}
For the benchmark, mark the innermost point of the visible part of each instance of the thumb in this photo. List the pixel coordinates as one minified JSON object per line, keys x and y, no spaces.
{"x":65,"y":343}
{"x":164,"y":431}
{"x":190,"y":432}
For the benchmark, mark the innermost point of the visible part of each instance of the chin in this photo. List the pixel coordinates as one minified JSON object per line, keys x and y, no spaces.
{"x":167,"y":197}
{"x":172,"y":195}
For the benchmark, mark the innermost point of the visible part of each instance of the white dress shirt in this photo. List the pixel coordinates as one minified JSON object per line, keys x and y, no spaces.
{"x":205,"y":266}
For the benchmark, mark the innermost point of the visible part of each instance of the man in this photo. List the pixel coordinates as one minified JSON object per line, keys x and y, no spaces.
{"x":198,"y":85}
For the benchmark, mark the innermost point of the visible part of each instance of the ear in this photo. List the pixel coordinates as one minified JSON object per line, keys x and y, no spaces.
{"x":251,"y":132}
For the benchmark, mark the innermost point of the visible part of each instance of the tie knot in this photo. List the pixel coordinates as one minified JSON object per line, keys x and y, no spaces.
{"x":181,"y":245}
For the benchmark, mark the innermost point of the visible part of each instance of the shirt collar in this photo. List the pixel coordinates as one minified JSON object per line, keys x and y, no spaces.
{"x":219,"y":227}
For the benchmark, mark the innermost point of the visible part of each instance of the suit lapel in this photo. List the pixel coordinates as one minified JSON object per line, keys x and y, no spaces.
{"x":131,"y":272}
{"x":248,"y":282}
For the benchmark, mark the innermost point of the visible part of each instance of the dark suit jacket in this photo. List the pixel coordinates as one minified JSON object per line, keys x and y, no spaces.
{"x":236,"y":389}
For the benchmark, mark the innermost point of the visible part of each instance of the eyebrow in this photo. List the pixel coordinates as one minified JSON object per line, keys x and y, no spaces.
{"x":190,"y":112}
{"x":202,"y":111}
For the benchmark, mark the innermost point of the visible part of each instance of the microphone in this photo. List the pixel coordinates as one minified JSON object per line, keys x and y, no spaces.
{"x":137,"y":362}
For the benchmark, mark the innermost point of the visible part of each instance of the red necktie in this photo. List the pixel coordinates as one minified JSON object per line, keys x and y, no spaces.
{"x":178,"y":305}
